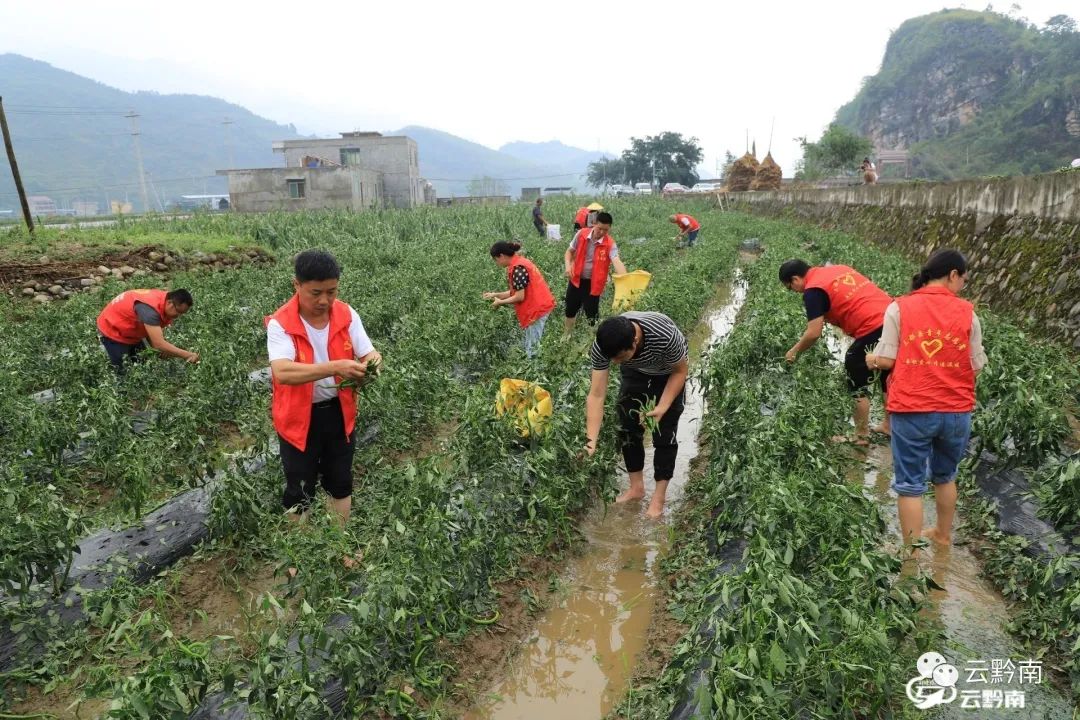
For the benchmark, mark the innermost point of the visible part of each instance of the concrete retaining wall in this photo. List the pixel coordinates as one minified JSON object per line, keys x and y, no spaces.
{"x":1021,"y":235}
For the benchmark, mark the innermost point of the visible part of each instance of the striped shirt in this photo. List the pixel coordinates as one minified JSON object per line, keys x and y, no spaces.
{"x":663,"y":346}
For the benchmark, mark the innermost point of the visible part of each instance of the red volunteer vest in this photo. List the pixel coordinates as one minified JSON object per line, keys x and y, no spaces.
{"x":291,"y":405}
{"x":582,"y":216}
{"x":856,"y":305}
{"x":933,"y":370}
{"x":119,"y":322}
{"x":538,"y":298}
{"x":601,"y":261}
{"x":694,"y":224}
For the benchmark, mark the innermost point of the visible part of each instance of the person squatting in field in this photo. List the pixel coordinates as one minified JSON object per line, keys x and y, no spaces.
{"x":653,"y":361}
{"x":135,"y":316}
{"x":528,"y":293}
{"x":587,"y":262}
{"x":932,"y":341}
{"x":688,"y":229}
{"x":842,"y":296}
{"x":586,"y":215}
{"x":315,"y":342}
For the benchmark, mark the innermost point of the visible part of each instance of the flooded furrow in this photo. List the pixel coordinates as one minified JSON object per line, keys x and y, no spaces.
{"x":973,"y":615}
{"x":577,"y":662}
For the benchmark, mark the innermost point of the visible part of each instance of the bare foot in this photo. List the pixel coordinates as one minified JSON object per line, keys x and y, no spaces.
{"x":631,"y":494}
{"x":292,"y":573}
{"x":934,"y":535}
{"x":352,"y":561}
{"x":654,"y":512}
{"x":859,"y":441}
{"x":881,"y":430}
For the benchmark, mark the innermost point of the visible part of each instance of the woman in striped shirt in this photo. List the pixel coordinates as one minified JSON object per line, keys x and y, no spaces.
{"x":653,"y":361}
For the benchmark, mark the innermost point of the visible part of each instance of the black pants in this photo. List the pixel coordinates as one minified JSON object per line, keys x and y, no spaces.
{"x":119,"y":353}
{"x":539,"y":228}
{"x":579,"y":297}
{"x":858,"y":375}
{"x":328,"y":455}
{"x":637,"y":387}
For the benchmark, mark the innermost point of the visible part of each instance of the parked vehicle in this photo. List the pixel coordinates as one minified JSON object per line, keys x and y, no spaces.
{"x":703,"y":187}
{"x":643,"y":188}
{"x":674,"y":187}
{"x":623,"y":190}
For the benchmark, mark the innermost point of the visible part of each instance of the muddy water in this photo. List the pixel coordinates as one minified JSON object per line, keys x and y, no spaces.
{"x":970,"y":610}
{"x":576,"y":663}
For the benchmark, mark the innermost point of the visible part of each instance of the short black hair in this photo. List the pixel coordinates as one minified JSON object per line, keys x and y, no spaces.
{"x":316,"y":265}
{"x":792,"y":268}
{"x":615,"y":335}
{"x":604,"y":217}
{"x":180,"y":297}
{"x":504,"y":248}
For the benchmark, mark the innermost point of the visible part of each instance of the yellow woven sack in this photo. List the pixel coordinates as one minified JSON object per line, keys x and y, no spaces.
{"x":628,"y":288}
{"x":528,"y":404}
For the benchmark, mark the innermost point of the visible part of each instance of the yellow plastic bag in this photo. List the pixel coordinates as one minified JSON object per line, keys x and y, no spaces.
{"x":628,"y":288}
{"x":528,"y":403}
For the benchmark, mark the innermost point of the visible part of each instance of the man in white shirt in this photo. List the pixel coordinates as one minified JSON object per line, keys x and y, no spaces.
{"x":316,"y":343}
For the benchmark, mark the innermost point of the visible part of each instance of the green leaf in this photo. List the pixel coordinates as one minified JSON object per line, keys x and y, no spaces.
{"x":778,"y":658}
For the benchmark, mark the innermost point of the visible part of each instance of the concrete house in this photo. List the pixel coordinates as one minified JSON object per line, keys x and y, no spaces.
{"x":357,"y":171}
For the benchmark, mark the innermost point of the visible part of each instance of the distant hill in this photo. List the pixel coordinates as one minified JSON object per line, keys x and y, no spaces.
{"x":73,"y":143}
{"x":450,"y":162}
{"x":555,"y":154}
{"x":974,"y":93}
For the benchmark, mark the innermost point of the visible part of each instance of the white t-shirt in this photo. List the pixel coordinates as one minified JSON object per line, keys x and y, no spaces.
{"x":280,"y":346}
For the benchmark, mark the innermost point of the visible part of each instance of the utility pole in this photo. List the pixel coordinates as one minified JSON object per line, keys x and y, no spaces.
{"x":228,"y":140}
{"x":134,"y":117}
{"x":15,"y":169}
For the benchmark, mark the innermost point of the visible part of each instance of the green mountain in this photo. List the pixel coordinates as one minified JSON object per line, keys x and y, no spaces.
{"x":974,"y":93}
{"x":73,"y":142}
{"x":452,"y":163}
{"x":554,"y":154}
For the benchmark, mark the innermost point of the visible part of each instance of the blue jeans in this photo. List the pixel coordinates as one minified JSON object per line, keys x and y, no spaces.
{"x":691,"y":237}
{"x":925,"y":445}
{"x":533,"y":333}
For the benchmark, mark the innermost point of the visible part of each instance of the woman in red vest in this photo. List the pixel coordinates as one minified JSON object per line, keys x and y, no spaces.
{"x":315,"y":342}
{"x":842,"y":296}
{"x":591,"y":254}
{"x":932,"y":340}
{"x":528,"y":293}
{"x":136,"y":316}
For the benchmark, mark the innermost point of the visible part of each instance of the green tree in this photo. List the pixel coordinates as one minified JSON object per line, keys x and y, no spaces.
{"x":486,"y":186}
{"x":1060,"y":25}
{"x":606,"y":171}
{"x":838,"y":149}
{"x":729,"y":160}
{"x":666,"y":157}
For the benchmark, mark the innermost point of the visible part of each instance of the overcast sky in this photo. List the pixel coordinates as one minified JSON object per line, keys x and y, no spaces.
{"x":589,"y":74}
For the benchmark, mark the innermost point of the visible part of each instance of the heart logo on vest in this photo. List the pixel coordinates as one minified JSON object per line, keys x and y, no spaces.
{"x":931,"y":348}
{"x":848,"y":279}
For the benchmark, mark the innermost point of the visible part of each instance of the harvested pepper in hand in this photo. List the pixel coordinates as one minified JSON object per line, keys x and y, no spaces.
{"x":644,"y":409}
{"x":371,"y":372}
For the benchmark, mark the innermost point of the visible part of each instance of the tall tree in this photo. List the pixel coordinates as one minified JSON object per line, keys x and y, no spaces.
{"x":605,"y":172}
{"x":663,"y":158}
{"x":486,"y":186}
{"x":838,"y":149}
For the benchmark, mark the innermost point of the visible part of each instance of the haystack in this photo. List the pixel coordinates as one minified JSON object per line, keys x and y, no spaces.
{"x":768,"y":175}
{"x":742,"y":173}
